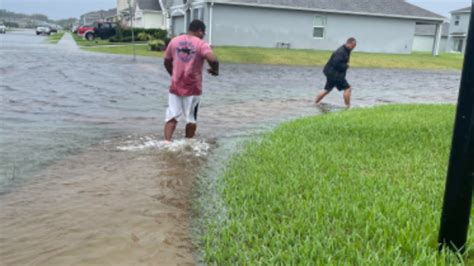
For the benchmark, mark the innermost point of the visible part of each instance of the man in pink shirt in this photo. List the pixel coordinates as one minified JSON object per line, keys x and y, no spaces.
{"x":184,"y":61}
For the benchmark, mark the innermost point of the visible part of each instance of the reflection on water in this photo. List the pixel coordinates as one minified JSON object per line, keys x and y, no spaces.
{"x":85,"y":176}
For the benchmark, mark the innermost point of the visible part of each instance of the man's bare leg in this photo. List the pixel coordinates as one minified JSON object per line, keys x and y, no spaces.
{"x":321,"y":96}
{"x":347,"y":97}
{"x":170,"y":127}
{"x":190,"y":130}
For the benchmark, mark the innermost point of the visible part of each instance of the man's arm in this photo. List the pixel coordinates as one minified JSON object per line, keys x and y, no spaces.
{"x":213,"y":63}
{"x":169,"y":66}
{"x":340,"y":62}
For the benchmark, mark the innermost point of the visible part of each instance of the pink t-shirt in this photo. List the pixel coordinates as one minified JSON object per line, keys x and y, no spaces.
{"x":188,"y":55}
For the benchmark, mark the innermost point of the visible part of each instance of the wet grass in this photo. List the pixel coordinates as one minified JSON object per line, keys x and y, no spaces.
{"x":55,"y":38}
{"x":140,"y":50}
{"x":243,"y":55}
{"x":359,"y":187}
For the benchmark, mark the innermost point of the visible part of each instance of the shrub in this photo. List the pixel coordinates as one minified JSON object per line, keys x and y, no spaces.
{"x":155,"y":33}
{"x":156,"y":45}
{"x":167,"y":41}
{"x":143,"y":37}
{"x":160,"y":34}
{"x":125,"y":34}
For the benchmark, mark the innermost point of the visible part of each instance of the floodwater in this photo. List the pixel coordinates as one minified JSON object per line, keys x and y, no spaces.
{"x":84,"y":178}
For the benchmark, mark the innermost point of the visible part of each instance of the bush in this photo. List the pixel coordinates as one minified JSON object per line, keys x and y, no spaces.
{"x":155,"y":33}
{"x":125,"y":34}
{"x":156,"y":45}
{"x":167,"y":41}
{"x":143,"y":37}
{"x":160,"y":34}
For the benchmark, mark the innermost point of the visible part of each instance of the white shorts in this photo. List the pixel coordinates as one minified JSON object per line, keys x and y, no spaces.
{"x":183,"y":106}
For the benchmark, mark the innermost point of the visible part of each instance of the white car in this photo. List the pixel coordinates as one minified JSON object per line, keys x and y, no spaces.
{"x":43,"y":30}
{"x":3,"y":29}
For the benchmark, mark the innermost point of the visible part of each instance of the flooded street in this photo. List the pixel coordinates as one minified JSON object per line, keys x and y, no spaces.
{"x":83,"y":177}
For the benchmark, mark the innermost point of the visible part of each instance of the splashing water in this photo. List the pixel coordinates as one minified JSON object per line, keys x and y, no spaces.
{"x":199,"y":148}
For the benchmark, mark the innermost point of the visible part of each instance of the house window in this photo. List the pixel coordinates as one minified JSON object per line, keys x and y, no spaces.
{"x":319,"y":27}
{"x":198,"y":13}
{"x":456,"y":21}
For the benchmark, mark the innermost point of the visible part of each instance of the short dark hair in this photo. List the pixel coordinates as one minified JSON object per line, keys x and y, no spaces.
{"x":197,"y":25}
{"x":351,"y":40}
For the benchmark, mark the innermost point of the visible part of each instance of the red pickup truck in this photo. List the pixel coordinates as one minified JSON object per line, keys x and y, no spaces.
{"x":102,"y":30}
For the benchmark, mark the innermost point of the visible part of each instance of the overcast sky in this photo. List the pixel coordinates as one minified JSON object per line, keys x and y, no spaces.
{"x":57,"y":9}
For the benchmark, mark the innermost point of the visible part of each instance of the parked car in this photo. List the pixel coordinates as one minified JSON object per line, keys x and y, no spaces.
{"x":43,"y":30}
{"x":102,"y":30}
{"x":82,"y":30}
{"x":53,"y":29}
{"x":3,"y":29}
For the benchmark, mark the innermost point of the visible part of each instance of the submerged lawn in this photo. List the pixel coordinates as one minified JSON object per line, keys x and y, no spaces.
{"x":359,"y":187}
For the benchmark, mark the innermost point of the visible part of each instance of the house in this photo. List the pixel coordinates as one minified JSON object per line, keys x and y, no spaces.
{"x":425,"y":36}
{"x":458,"y":30}
{"x":95,"y":16}
{"x":148,"y":14}
{"x":383,"y":26}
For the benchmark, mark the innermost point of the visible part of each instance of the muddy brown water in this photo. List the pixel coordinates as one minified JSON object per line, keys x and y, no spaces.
{"x":84,"y":179}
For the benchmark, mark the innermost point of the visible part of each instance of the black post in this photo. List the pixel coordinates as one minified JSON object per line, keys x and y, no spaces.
{"x":458,"y":195}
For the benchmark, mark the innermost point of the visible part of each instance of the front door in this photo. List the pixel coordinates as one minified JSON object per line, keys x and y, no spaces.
{"x":460,"y":45}
{"x":178,"y":25}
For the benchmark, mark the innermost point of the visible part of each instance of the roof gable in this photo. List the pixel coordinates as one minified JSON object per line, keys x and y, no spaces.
{"x":153,"y":5}
{"x":462,"y":10}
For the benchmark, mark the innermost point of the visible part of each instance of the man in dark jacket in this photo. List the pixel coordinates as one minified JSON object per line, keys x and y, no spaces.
{"x":335,"y":71}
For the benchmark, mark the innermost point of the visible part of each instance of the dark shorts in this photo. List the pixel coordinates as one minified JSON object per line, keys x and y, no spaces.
{"x":340,"y":84}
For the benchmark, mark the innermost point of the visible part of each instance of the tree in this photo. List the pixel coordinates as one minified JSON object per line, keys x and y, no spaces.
{"x":40,"y":17}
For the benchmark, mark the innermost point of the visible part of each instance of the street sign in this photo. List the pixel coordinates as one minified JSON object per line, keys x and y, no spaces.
{"x":459,"y":184}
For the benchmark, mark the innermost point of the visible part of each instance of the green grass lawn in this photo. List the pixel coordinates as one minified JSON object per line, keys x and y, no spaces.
{"x":359,"y":187}
{"x":141,"y":50}
{"x":320,"y":58}
{"x":55,"y":38}
{"x":242,"y":55}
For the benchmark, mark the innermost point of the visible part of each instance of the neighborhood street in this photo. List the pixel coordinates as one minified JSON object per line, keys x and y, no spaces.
{"x":79,"y":199}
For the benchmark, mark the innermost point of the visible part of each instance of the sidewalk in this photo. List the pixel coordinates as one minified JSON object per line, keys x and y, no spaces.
{"x":68,"y":42}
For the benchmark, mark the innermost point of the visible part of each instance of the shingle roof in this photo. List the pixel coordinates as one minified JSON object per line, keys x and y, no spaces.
{"x":101,"y":14}
{"x":430,"y":30}
{"x":149,"y":5}
{"x":398,"y":8}
{"x":462,"y":10}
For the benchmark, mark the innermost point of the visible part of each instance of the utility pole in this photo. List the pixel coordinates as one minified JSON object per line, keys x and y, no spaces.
{"x":459,"y":185}
{"x":132,"y":14}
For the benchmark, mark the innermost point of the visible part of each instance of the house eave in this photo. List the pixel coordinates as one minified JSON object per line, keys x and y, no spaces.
{"x":429,"y":35}
{"x":458,"y":34}
{"x":426,"y":19}
{"x":152,"y":11}
{"x":460,"y":12}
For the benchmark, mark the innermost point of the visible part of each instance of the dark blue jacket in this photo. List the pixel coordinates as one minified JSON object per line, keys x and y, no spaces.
{"x":337,"y":66}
